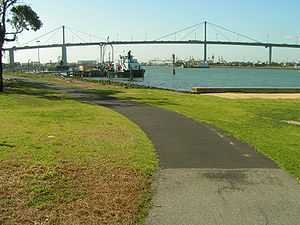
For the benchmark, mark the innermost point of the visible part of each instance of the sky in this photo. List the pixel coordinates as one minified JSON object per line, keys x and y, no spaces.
{"x":263,"y":20}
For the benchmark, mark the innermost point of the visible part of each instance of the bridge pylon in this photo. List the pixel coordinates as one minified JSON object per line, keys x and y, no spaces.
{"x":64,"y":48}
{"x":270,"y":55}
{"x":205,"y":43}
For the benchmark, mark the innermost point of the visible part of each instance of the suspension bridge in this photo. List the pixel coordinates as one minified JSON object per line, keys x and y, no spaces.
{"x":163,"y":40}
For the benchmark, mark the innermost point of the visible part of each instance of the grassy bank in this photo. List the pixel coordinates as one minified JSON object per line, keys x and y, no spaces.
{"x":257,"y":122}
{"x":64,"y":161}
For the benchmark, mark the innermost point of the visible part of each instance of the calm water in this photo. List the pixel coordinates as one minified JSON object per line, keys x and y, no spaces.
{"x":186,"y":78}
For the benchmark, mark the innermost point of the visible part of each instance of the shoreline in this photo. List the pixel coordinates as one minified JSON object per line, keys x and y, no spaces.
{"x":255,"y":67}
{"x":78,"y":81}
{"x":246,"y":90}
{"x":234,"y":67}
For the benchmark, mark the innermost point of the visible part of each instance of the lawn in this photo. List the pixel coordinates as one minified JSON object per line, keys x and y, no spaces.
{"x":63,"y":158}
{"x":257,"y":122}
{"x":64,"y":161}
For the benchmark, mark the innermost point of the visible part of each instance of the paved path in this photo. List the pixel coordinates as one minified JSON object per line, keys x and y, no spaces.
{"x":207,"y":177}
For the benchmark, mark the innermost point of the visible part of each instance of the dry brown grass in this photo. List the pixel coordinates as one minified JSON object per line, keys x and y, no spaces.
{"x":83,"y":84}
{"x":66,"y":81}
{"x":80,"y":195}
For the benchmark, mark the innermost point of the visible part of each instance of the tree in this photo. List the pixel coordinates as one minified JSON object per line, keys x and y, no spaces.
{"x":16,"y":18}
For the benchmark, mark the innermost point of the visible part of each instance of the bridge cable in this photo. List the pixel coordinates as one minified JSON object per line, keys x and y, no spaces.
{"x":235,"y":32}
{"x":41,"y":36}
{"x":178,"y":31}
{"x":220,"y":33}
{"x":190,"y":32}
{"x":51,"y":36}
{"x":91,"y":35}
{"x":76,"y":35}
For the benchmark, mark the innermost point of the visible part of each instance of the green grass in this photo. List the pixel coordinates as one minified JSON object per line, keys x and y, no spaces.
{"x":51,"y":127}
{"x":254,"y":121}
{"x":56,"y":151}
{"x":59,"y":138}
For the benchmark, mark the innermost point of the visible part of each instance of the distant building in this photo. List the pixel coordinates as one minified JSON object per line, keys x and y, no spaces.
{"x":87,"y":62}
{"x":36,"y":63}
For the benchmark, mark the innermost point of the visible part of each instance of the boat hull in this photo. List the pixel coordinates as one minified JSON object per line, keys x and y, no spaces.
{"x":126,"y":74}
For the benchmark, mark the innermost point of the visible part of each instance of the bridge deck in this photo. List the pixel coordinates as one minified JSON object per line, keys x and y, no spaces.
{"x":258,"y":44}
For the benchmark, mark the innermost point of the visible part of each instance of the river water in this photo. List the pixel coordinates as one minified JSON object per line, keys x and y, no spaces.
{"x":186,"y":78}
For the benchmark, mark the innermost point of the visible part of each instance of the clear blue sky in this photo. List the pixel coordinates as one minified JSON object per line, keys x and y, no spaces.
{"x":264,"y":20}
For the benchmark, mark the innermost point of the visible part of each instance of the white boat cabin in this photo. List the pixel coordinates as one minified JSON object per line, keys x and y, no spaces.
{"x":127,"y":63}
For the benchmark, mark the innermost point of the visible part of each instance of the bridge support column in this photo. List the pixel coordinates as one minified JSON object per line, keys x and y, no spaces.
{"x":101,"y":59}
{"x":11,"y":57}
{"x":64,"y":55}
{"x":64,"y":49}
{"x":205,"y":44}
{"x":270,"y":55}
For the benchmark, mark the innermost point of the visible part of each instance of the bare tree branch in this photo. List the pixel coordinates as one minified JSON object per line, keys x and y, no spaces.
{"x":10,"y":3}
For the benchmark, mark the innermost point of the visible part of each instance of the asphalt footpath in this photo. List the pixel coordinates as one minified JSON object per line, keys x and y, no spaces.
{"x":206,"y":176}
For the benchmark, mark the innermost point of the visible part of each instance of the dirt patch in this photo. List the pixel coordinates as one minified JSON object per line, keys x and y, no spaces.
{"x":256,"y":95}
{"x":284,"y":121}
{"x":68,"y":194}
{"x":291,"y":122}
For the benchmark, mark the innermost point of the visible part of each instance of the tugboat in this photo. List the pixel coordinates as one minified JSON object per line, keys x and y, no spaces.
{"x":126,"y":68}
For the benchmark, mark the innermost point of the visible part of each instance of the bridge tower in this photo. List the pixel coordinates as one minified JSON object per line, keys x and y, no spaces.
{"x":205,"y":44}
{"x":270,"y":55}
{"x":64,"y":48}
